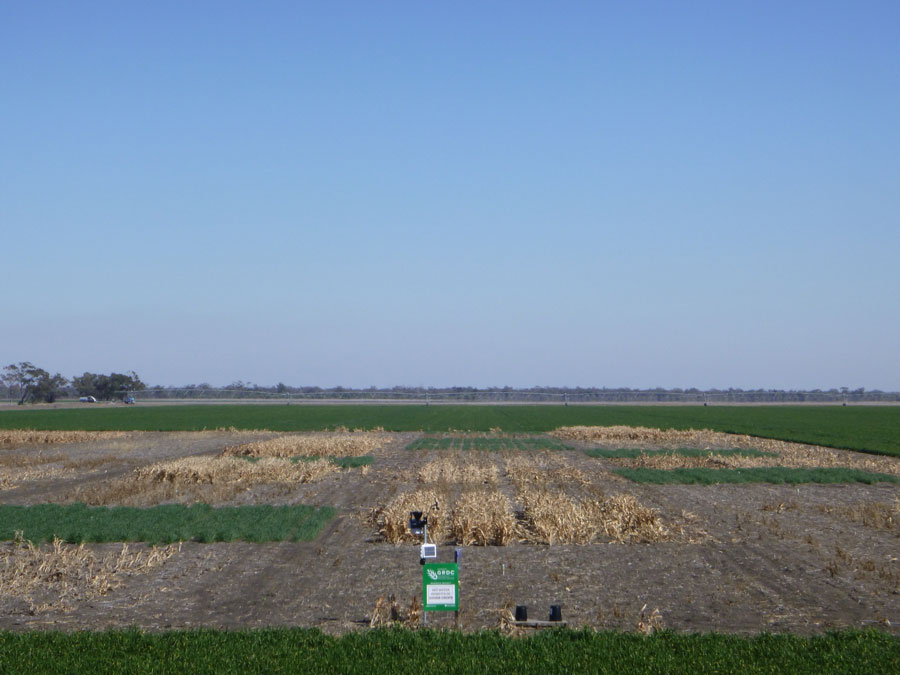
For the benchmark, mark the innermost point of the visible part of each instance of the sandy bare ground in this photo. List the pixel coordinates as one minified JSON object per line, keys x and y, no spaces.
{"x":750,"y":558}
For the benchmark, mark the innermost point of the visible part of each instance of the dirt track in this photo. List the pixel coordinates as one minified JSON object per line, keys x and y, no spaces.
{"x":774,"y":558}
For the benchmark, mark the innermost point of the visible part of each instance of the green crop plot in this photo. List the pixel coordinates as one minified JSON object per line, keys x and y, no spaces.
{"x":298,"y":650}
{"x":164,"y":524}
{"x":774,"y":474}
{"x":873,"y":429}
{"x":632,"y":453}
{"x":488,"y":444}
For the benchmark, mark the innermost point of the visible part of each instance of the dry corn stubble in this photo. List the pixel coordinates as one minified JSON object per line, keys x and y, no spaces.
{"x":11,"y":478}
{"x":214,"y":470}
{"x":467,"y":470}
{"x":132,"y":491}
{"x":535,"y":469}
{"x":54,"y":576}
{"x":393,"y":520}
{"x":876,"y":515}
{"x":648,"y":624}
{"x":506,"y":621}
{"x":711,"y":460}
{"x":648,"y":435}
{"x":796,"y":455}
{"x":483,"y":518}
{"x":476,"y":518}
{"x":554,"y":518}
{"x":318,"y":444}
{"x":18,"y":468}
{"x":19,"y":459}
{"x":388,"y":613}
{"x":788,"y":455}
{"x":32,"y":437}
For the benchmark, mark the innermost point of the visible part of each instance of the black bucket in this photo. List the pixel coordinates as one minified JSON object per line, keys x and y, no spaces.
{"x":521,"y":613}
{"x":556,"y":612}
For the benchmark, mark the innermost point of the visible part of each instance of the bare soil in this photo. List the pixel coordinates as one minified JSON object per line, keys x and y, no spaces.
{"x":750,"y":558}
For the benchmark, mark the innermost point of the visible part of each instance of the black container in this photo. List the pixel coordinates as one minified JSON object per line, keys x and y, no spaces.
{"x":521,"y":613}
{"x":556,"y":612}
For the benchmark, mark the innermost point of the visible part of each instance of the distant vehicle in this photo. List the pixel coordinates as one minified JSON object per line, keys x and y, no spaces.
{"x":87,"y":399}
{"x":128,"y":400}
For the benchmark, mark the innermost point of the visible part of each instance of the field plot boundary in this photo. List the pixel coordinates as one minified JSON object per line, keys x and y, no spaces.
{"x":468,"y":443}
{"x":632,"y":453}
{"x":874,"y":429}
{"x":406,"y":651}
{"x":775,"y":475}
{"x":342,"y":462}
{"x":76,"y":523}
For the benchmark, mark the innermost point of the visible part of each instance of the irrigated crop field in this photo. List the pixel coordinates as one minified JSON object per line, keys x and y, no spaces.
{"x":626,"y":527}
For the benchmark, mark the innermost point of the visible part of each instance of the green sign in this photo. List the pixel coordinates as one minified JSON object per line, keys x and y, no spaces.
{"x":440,"y":587}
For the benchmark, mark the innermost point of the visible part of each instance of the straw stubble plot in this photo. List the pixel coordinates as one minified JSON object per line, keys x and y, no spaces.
{"x":463,"y":469}
{"x":16,"y":437}
{"x":235,"y":470}
{"x":323,"y":444}
{"x":57,"y":576}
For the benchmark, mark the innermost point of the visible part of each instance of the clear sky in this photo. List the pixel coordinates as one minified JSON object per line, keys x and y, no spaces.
{"x":472,"y":193}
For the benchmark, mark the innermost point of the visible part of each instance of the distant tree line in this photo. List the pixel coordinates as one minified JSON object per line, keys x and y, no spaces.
{"x":29,"y":384}
{"x":239,"y":389}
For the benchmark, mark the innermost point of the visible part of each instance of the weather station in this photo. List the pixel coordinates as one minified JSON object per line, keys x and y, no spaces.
{"x":440,"y":581}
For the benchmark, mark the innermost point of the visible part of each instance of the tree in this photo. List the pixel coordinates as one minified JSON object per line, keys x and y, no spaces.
{"x":33,"y":383}
{"x":107,"y":387}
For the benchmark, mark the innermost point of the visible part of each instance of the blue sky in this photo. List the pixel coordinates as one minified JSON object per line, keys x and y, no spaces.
{"x":498,"y":193}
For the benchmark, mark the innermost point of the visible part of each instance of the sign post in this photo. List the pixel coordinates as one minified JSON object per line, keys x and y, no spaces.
{"x":440,"y":587}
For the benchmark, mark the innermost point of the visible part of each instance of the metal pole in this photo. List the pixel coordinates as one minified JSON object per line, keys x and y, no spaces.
{"x":424,"y":613}
{"x":456,"y":613}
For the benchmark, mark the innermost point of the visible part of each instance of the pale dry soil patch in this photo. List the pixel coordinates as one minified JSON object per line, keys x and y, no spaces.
{"x":734,"y":558}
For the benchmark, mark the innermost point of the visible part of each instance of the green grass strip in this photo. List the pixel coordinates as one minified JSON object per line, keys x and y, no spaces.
{"x":774,"y":474}
{"x":352,"y":462}
{"x":300,"y":650}
{"x":163,"y":524}
{"x":632,"y":453}
{"x":483,"y":444}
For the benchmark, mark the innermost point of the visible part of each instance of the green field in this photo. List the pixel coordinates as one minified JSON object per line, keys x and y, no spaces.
{"x":343,"y":462}
{"x":396,"y":651}
{"x":632,"y":453}
{"x":164,"y":524}
{"x":773,"y":474}
{"x":866,"y":428}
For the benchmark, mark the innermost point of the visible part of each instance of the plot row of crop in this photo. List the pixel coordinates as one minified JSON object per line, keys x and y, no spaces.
{"x":632,"y":453}
{"x":867,"y":428}
{"x":764,"y":474}
{"x":163,"y":524}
